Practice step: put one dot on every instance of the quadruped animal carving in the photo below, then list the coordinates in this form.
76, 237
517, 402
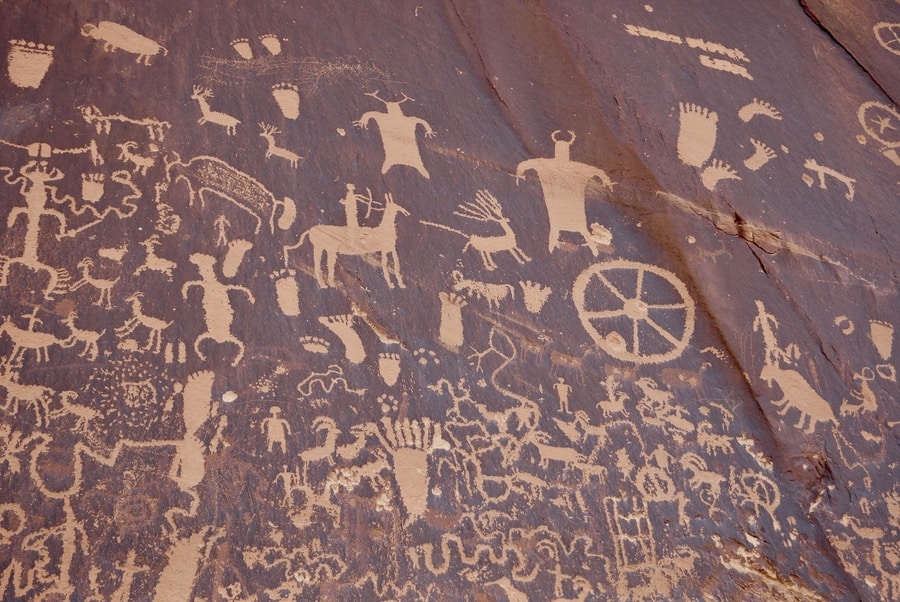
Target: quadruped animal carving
330, 241
207, 176
119, 37
486, 208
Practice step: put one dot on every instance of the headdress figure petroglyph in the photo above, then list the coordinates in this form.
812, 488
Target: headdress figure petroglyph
564, 184
217, 309
398, 134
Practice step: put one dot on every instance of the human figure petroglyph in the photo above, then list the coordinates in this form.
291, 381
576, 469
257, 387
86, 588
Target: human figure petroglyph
156, 129
350, 202
202, 96
103, 285
34, 178
563, 390
138, 318
276, 430
272, 149
486, 208
615, 398
564, 184
119, 37
328, 242
218, 312
398, 134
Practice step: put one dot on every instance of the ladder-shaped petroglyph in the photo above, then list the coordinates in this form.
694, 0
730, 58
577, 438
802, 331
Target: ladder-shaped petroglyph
486, 208
398, 134
28, 63
156, 129
218, 312
208, 177
202, 96
119, 37
821, 171
796, 392
564, 184
328, 242
272, 149
635, 312
154, 326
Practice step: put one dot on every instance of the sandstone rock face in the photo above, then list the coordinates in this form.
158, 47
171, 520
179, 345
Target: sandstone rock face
465, 300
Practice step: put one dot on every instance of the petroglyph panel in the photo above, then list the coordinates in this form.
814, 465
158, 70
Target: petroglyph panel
476, 301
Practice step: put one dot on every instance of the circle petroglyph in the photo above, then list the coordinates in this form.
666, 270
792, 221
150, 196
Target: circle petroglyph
635, 312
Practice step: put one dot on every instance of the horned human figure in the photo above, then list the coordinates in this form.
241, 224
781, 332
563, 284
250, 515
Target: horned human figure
564, 183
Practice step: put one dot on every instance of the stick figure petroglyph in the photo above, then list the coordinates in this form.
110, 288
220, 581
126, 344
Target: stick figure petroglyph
398, 134
217, 309
564, 183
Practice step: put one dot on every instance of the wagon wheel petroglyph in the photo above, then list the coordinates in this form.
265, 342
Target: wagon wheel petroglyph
636, 312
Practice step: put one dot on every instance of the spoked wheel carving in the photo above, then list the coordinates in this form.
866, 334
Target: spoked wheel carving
636, 312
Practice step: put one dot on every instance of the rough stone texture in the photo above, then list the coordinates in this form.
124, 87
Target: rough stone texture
449, 301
